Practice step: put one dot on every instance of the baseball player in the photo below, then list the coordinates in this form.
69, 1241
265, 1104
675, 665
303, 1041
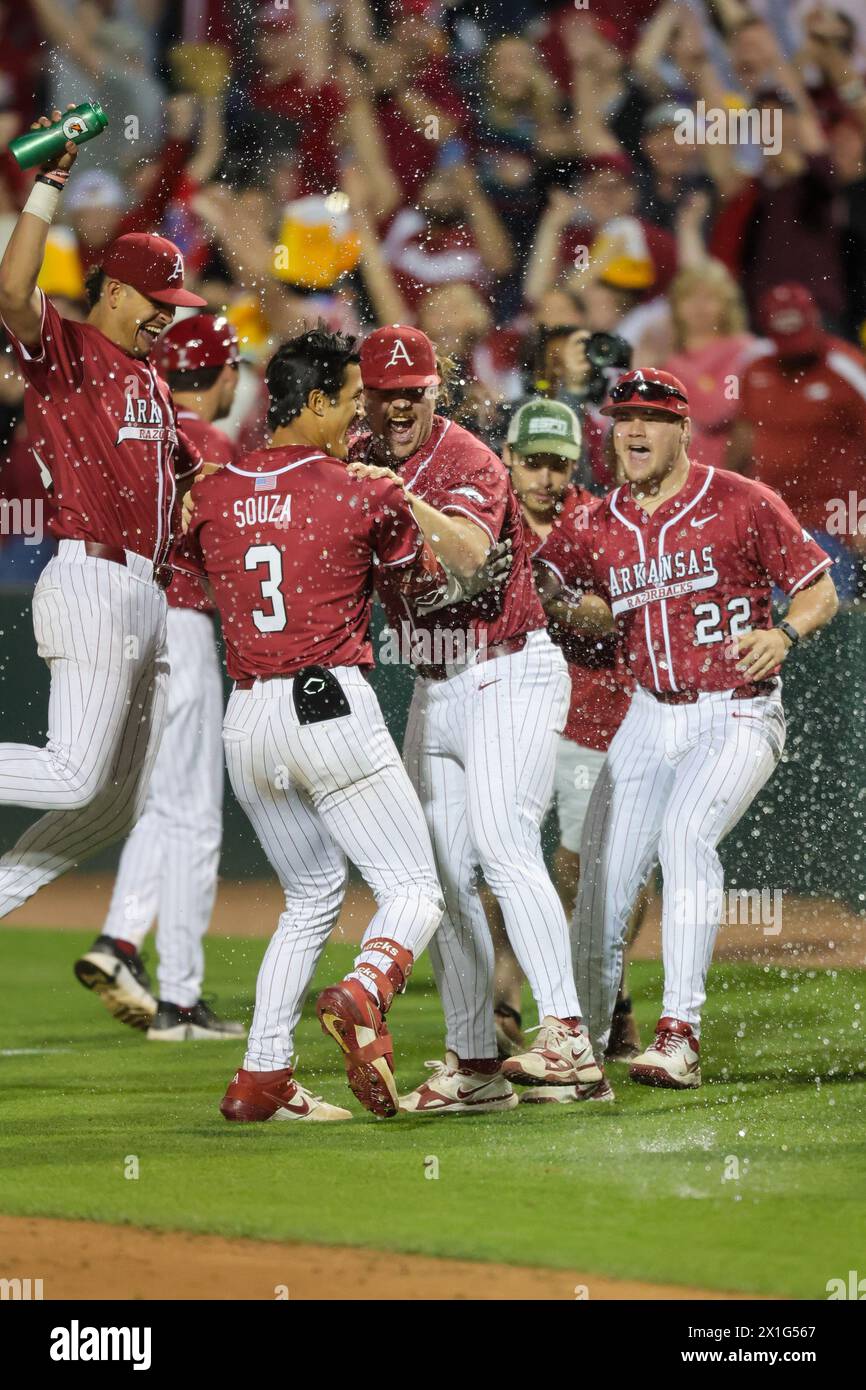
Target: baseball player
168, 869
481, 737
686, 557
291, 546
542, 446
105, 434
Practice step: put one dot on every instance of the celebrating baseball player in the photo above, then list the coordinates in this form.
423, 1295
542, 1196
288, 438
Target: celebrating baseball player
291, 546
542, 446
168, 869
481, 738
105, 434
686, 557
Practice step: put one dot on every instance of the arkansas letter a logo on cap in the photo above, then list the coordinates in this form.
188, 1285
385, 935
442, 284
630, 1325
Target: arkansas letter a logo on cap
399, 354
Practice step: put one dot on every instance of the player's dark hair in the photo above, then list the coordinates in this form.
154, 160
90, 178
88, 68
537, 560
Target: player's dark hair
196, 379
93, 283
313, 361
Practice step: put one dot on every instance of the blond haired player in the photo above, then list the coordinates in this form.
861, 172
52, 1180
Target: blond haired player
686, 557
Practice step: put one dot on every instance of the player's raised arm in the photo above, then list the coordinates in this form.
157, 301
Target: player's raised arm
20, 302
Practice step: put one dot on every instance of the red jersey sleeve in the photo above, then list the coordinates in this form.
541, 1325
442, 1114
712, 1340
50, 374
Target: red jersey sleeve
188, 459
786, 552
568, 552
57, 361
475, 487
397, 538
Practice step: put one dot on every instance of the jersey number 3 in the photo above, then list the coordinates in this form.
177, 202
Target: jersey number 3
269, 555
709, 621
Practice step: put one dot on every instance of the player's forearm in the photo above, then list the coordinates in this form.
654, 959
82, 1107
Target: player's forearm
20, 303
590, 617
460, 545
812, 608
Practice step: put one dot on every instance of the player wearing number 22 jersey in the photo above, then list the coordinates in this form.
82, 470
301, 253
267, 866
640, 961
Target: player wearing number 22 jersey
686, 557
292, 547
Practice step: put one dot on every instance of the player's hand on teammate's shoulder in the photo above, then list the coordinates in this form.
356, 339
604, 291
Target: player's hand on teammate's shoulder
758, 653
374, 470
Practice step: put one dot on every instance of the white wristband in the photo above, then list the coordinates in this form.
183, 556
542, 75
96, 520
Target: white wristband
43, 201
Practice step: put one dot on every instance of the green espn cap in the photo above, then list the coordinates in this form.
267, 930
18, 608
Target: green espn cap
542, 426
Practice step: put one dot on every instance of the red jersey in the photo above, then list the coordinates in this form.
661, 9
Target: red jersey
214, 446
102, 426
291, 544
600, 686
685, 581
455, 473
808, 428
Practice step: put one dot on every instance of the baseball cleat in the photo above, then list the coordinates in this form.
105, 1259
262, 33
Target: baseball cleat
624, 1041
263, 1095
457, 1090
562, 1056
672, 1059
350, 1016
509, 1038
119, 980
594, 1091
176, 1024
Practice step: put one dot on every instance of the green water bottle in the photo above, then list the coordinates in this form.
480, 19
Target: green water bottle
78, 124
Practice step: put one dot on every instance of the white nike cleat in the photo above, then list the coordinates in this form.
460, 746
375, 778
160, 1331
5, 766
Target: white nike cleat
560, 1057
455, 1090
594, 1091
672, 1059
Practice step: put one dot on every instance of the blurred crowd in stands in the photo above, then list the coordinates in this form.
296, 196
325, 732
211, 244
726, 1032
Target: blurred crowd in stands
514, 176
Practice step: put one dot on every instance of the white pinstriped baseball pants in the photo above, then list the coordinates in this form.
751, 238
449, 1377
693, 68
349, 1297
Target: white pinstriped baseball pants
317, 794
481, 749
168, 869
101, 629
676, 781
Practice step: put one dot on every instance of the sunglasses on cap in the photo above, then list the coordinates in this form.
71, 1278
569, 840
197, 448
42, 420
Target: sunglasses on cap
645, 391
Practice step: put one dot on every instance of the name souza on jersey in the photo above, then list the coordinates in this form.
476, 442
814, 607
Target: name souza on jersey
274, 510
682, 572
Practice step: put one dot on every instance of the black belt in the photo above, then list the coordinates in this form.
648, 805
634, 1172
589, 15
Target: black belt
506, 648
689, 697
162, 574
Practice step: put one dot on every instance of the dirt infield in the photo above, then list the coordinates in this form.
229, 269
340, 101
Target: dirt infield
815, 933
85, 1260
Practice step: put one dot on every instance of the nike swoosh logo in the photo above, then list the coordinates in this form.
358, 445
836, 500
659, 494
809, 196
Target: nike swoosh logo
486, 683
704, 520
468, 1095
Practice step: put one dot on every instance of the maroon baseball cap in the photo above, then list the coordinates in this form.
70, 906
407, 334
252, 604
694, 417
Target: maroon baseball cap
202, 340
396, 357
153, 265
647, 388
789, 315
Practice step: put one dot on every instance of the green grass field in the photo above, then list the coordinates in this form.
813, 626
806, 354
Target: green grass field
634, 1190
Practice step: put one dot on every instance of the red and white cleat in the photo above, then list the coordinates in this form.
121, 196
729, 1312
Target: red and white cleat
672, 1059
454, 1089
594, 1091
350, 1016
264, 1095
562, 1056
